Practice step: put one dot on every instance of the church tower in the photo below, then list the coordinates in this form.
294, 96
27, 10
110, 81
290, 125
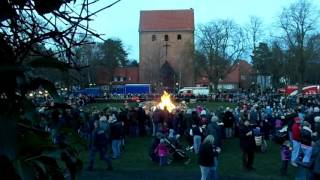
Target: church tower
166, 46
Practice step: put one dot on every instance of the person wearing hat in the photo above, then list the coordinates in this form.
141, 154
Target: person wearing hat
296, 139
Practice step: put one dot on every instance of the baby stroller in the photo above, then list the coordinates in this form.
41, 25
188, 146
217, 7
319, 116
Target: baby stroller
261, 143
176, 153
281, 135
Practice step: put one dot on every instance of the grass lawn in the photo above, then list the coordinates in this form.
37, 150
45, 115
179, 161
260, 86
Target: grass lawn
209, 105
135, 159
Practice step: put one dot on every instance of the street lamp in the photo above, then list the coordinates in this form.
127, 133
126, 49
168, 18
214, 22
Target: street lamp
177, 86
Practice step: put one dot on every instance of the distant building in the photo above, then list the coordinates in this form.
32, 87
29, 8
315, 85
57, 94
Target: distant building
264, 81
166, 39
125, 75
240, 77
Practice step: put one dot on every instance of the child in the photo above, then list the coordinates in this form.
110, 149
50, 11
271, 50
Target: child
162, 152
278, 123
285, 156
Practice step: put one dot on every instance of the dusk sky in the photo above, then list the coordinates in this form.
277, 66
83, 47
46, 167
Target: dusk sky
122, 20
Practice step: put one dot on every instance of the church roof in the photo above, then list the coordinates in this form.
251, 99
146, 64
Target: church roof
167, 20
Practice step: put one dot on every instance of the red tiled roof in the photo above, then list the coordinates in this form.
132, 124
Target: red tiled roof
167, 20
131, 73
233, 77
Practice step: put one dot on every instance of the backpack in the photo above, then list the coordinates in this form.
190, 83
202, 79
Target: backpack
100, 138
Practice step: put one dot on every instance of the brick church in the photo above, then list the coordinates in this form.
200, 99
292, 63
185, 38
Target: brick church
166, 46
166, 39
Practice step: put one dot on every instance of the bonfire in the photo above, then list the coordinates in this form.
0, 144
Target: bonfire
165, 101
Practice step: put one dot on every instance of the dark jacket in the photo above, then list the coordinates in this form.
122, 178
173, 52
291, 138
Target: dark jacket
99, 138
196, 131
306, 136
214, 129
206, 155
317, 129
315, 157
228, 119
253, 117
116, 130
247, 143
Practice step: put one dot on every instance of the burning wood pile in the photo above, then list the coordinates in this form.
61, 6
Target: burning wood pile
165, 102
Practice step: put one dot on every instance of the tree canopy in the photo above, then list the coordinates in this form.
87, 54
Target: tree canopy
219, 44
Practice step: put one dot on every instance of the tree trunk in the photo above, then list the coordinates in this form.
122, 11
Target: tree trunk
215, 84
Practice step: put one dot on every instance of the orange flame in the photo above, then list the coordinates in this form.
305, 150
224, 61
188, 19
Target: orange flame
166, 102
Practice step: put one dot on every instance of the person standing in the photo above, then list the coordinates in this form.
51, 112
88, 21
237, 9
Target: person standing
317, 128
162, 152
214, 130
196, 133
206, 159
315, 157
98, 143
306, 140
247, 144
296, 129
228, 121
285, 157
142, 118
117, 135
155, 121
254, 116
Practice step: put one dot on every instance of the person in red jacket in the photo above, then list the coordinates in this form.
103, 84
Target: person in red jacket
296, 139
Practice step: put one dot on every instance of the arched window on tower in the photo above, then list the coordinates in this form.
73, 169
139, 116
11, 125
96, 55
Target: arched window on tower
179, 37
154, 37
166, 37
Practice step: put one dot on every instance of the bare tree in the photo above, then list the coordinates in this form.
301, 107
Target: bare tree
220, 43
298, 23
254, 31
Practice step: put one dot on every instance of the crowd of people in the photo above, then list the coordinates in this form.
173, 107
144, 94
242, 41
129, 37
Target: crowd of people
293, 124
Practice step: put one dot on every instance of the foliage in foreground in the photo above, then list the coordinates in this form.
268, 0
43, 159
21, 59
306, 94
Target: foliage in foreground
25, 25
